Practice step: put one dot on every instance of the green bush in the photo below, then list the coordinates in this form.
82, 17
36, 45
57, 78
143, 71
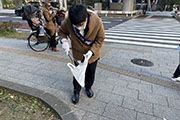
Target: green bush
8, 28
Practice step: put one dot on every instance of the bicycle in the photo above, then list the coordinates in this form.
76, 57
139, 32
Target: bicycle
39, 43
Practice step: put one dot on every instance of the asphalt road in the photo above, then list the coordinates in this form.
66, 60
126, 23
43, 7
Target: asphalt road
108, 22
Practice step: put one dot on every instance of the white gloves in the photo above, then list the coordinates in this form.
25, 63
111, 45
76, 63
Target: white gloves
88, 55
65, 45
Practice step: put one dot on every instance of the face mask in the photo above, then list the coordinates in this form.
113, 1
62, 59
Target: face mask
82, 27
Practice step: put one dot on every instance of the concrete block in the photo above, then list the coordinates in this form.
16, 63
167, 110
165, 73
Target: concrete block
119, 113
125, 92
174, 102
165, 112
109, 98
153, 98
164, 91
142, 116
103, 86
91, 105
137, 105
92, 116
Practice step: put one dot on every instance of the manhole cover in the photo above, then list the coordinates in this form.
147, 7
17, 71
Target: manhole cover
142, 62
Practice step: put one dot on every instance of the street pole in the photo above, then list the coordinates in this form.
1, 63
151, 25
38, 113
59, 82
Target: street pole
128, 5
85, 2
65, 4
60, 3
156, 2
1, 7
149, 5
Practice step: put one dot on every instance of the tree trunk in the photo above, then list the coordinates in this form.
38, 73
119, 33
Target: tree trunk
17, 3
1, 6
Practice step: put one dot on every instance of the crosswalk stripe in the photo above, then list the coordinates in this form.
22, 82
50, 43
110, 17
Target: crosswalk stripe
145, 36
18, 17
143, 39
142, 43
107, 22
10, 17
3, 16
147, 32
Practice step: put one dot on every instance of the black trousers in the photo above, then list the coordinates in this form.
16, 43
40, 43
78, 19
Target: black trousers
53, 42
89, 77
177, 72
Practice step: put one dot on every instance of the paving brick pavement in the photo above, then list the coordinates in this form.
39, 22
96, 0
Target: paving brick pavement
123, 91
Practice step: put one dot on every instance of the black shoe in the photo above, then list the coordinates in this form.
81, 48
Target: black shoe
89, 93
75, 98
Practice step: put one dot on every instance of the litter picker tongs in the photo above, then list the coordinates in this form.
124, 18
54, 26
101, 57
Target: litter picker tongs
74, 60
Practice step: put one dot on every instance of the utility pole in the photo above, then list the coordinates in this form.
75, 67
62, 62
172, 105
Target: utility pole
1, 7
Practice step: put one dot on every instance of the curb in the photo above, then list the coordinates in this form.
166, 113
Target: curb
62, 109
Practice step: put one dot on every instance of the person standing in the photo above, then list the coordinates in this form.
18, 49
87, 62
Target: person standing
50, 27
60, 15
86, 32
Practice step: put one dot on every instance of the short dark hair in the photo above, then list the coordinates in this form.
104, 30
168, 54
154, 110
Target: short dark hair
77, 14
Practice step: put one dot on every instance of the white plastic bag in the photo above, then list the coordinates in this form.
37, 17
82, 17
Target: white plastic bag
79, 71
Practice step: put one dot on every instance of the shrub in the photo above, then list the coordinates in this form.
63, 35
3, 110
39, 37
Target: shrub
7, 28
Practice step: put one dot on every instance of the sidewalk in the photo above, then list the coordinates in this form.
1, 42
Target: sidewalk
123, 91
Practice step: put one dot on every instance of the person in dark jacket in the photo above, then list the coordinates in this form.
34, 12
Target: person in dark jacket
60, 15
87, 35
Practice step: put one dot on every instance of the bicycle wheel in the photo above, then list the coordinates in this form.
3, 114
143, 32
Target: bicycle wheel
37, 43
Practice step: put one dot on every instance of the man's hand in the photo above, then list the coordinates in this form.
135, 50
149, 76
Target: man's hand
65, 46
54, 14
88, 55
